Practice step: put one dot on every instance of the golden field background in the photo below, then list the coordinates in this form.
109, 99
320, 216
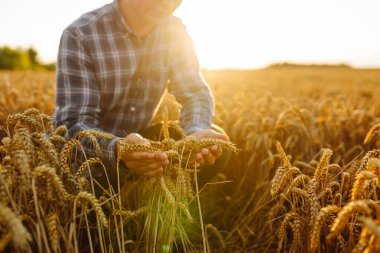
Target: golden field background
266, 200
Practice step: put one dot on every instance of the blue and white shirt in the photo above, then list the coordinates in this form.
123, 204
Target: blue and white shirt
112, 81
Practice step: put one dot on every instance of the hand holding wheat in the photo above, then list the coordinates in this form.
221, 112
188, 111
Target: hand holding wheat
208, 155
143, 162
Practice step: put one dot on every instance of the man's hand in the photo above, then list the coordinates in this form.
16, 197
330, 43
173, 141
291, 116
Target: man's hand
207, 156
143, 163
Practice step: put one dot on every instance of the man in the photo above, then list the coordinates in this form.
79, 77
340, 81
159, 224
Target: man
113, 67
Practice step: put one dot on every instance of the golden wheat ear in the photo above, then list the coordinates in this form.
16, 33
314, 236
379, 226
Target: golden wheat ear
371, 133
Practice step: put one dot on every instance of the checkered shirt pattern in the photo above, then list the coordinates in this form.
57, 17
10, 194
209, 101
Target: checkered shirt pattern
110, 80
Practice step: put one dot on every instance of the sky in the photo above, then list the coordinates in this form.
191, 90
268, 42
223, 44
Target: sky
227, 33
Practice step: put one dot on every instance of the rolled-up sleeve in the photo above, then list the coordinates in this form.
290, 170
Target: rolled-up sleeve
188, 85
78, 94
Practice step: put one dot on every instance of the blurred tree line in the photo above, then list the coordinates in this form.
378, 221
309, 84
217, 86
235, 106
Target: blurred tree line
22, 59
298, 65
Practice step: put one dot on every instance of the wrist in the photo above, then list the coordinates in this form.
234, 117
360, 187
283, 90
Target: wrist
196, 128
118, 147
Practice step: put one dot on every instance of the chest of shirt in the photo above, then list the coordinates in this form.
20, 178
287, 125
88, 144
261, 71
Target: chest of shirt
126, 65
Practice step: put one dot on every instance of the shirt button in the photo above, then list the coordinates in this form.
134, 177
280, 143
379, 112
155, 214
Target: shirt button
132, 109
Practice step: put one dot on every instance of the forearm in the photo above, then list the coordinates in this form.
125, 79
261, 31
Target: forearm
78, 94
188, 85
195, 96
197, 109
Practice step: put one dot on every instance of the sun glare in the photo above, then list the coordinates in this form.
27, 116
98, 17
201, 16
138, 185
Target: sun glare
228, 34
252, 34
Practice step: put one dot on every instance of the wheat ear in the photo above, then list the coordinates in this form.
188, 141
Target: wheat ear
285, 161
371, 133
85, 197
357, 189
52, 227
86, 166
318, 224
53, 179
346, 213
20, 236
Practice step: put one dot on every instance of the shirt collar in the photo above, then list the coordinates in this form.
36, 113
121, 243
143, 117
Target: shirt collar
123, 26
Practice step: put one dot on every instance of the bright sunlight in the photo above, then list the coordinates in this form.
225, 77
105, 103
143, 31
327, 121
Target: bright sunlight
228, 34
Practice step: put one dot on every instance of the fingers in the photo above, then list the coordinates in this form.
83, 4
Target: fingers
140, 167
142, 162
155, 169
145, 163
144, 156
205, 157
209, 133
139, 156
199, 160
160, 156
220, 136
208, 156
216, 151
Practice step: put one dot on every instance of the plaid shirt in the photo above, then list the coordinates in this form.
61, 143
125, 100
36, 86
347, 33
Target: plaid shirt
112, 81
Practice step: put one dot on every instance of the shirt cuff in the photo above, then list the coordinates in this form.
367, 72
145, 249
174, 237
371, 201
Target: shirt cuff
197, 127
111, 149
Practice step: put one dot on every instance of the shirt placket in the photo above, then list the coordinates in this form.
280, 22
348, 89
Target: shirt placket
137, 80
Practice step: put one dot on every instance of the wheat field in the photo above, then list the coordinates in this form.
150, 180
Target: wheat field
305, 176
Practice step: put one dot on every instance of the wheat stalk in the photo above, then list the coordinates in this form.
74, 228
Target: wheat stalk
319, 223
20, 236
